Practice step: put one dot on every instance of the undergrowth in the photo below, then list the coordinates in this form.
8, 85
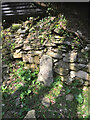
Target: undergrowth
22, 92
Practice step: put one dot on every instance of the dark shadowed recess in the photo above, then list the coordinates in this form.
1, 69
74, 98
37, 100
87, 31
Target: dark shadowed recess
78, 9
77, 14
13, 12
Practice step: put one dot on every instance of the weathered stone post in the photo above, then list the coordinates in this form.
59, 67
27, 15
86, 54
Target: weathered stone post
46, 70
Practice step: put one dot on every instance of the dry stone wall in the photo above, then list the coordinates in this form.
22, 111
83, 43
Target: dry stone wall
70, 59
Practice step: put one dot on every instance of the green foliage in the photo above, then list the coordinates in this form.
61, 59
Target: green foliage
75, 91
72, 47
68, 90
86, 54
24, 74
42, 41
15, 27
74, 84
25, 109
4, 88
79, 98
26, 82
1, 34
21, 63
5, 91
12, 47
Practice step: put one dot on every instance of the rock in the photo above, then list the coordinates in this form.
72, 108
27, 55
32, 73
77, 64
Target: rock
35, 53
81, 81
21, 31
0, 47
9, 114
85, 88
5, 77
27, 22
59, 50
57, 55
55, 61
38, 52
27, 58
17, 101
83, 75
63, 54
30, 114
18, 50
22, 35
64, 50
36, 43
18, 45
73, 66
46, 72
57, 41
82, 58
69, 80
87, 83
71, 57
46, 102
20, 40
87, 48
26, 41
80, 74
5, 69
33, 67
57, 37
27, 66
88, 67
4, 66
76, 66
27, 47
12, 35
68, 43
36, 60
17, 55
61, 71
50, 44
72, 74
57, 30
61, 68
56, 50
69, 97
13, 39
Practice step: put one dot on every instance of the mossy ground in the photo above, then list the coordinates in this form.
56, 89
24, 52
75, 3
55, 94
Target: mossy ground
23, 93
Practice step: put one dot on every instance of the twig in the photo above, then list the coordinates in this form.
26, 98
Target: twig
80, 36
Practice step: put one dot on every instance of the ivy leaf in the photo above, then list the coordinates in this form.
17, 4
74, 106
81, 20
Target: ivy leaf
19, 70
79, 98
28, 92
3, 113
28, 77
42, 41
22, 95
23, 78
67, 90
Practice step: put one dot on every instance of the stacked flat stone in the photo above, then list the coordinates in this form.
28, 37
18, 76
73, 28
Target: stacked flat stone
69, 63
